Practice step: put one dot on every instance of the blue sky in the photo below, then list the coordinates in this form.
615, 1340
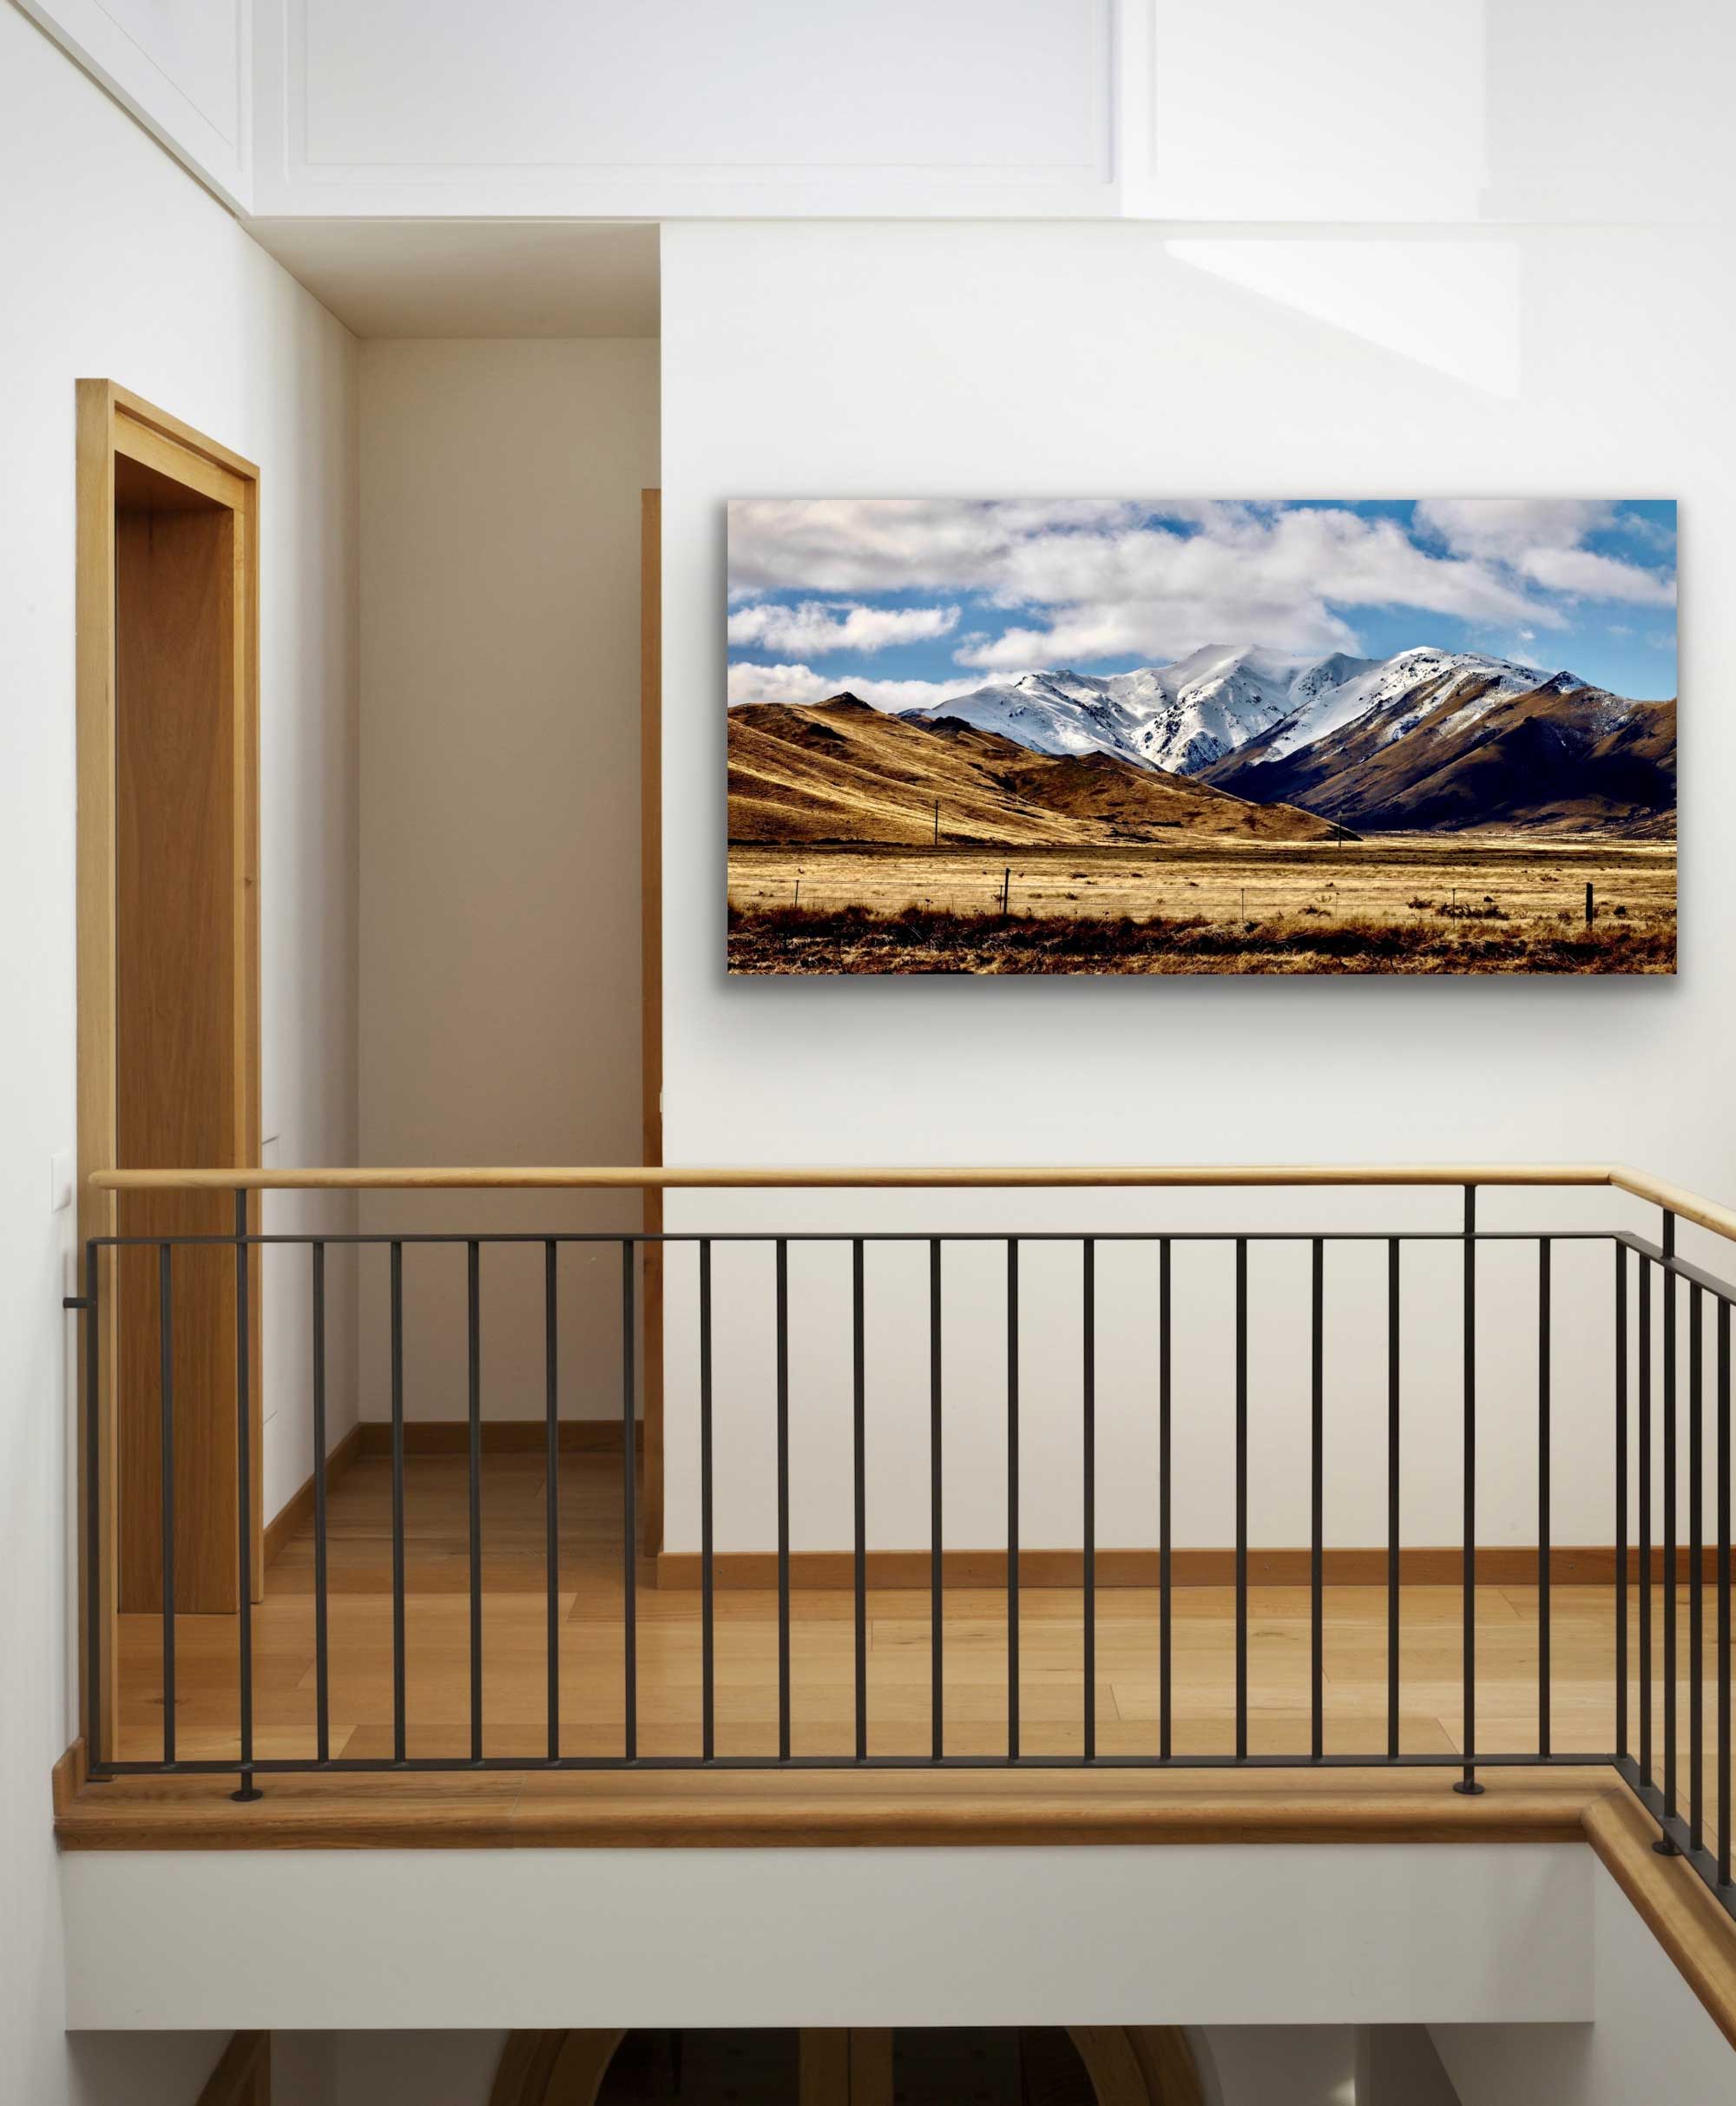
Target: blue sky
906, 601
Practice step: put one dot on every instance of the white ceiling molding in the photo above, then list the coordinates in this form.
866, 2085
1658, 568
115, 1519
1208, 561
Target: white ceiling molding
183, 68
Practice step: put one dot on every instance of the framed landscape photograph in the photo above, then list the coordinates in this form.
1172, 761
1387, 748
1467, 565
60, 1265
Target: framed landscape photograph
1301, 735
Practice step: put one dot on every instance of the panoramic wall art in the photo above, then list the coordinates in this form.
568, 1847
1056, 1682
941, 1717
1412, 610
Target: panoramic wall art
1298, 736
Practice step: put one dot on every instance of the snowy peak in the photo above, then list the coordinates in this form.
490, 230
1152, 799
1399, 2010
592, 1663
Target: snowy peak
1186, 717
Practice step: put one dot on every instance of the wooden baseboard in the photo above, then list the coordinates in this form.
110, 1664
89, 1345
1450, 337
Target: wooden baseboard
297, 1512
500, 1437
1580, 1565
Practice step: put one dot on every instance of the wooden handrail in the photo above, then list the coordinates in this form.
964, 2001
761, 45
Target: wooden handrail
630, 1178
1689, 1206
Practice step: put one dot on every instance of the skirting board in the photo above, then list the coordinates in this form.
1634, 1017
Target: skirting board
1516, 1565
297, 1512
443, 1437
500, 1437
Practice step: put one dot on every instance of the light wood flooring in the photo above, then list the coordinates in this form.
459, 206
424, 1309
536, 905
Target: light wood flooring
1127, 1697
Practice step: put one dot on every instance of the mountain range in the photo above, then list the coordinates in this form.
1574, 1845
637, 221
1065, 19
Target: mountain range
1426, 740
840, 771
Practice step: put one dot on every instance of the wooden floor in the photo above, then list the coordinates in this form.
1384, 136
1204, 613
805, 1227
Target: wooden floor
1127, 1698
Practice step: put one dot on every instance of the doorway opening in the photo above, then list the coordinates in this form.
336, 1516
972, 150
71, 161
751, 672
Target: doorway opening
169, 1043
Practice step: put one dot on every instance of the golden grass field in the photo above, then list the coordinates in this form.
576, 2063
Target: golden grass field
1392, 903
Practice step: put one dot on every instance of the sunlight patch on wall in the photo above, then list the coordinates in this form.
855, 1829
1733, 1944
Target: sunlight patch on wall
1453, 306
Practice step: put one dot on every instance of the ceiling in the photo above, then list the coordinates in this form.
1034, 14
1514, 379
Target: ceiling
474, 277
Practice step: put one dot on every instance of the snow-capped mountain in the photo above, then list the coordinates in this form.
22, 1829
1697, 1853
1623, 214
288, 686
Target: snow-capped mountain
1186, 717
1050, 713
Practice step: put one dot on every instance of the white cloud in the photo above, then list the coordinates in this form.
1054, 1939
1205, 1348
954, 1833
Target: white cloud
1281, 577
1541, 541
800, 685
1588, 576
1083, 581
816, 629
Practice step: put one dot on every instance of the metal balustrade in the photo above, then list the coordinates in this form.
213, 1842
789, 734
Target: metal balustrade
1653, 1290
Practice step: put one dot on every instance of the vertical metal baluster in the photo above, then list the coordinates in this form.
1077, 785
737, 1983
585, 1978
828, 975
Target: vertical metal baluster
1724, 1751
629, 1503
1669, 1515
473, 1334
859, 1413
782, 1408
1317, 1501
551, 1490
1012, 1499
1088, 1480
1696, 1614
937, 1540
322, 1658
1545, 1343
400, 1726
1645, 1516
1621, 1499
1241, 1498
707, 1543
166, 1463
1393, 1391
1164, 1663
1467, 1782
244, 1495
93, 1500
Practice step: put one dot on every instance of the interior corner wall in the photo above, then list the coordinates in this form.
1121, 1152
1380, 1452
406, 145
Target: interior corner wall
501, 933
1049, 360
117, 264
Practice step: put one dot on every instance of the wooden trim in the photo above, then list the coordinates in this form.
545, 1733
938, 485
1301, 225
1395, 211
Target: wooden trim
500, 1437
1166, 2057
141, 412
297, 1512
870, 2065
526, 2062
857, 1177
1108, 2054
651, 993
111, 423
823, 2069
242, 2076
95, 893
564, 2068
179, 462
1673, 1902
648, 1809
1512, 1565
68, 1778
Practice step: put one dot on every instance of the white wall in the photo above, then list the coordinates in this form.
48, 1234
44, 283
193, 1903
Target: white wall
119, 264
1108, 359
1249, 109
1189, 1934
1650, 2037
501, 934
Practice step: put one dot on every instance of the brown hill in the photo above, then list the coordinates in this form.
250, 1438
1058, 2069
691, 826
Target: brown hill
840, 771
1561, 758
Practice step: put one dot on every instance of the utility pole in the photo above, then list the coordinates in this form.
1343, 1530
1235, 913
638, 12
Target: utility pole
1590, 908
1006, 892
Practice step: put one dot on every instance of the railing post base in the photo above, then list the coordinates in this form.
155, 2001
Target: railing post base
1468, 1787
1664, 1848
249, 1791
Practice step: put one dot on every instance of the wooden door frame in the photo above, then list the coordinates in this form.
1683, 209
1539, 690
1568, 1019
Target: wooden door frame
651, 990
114, 422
